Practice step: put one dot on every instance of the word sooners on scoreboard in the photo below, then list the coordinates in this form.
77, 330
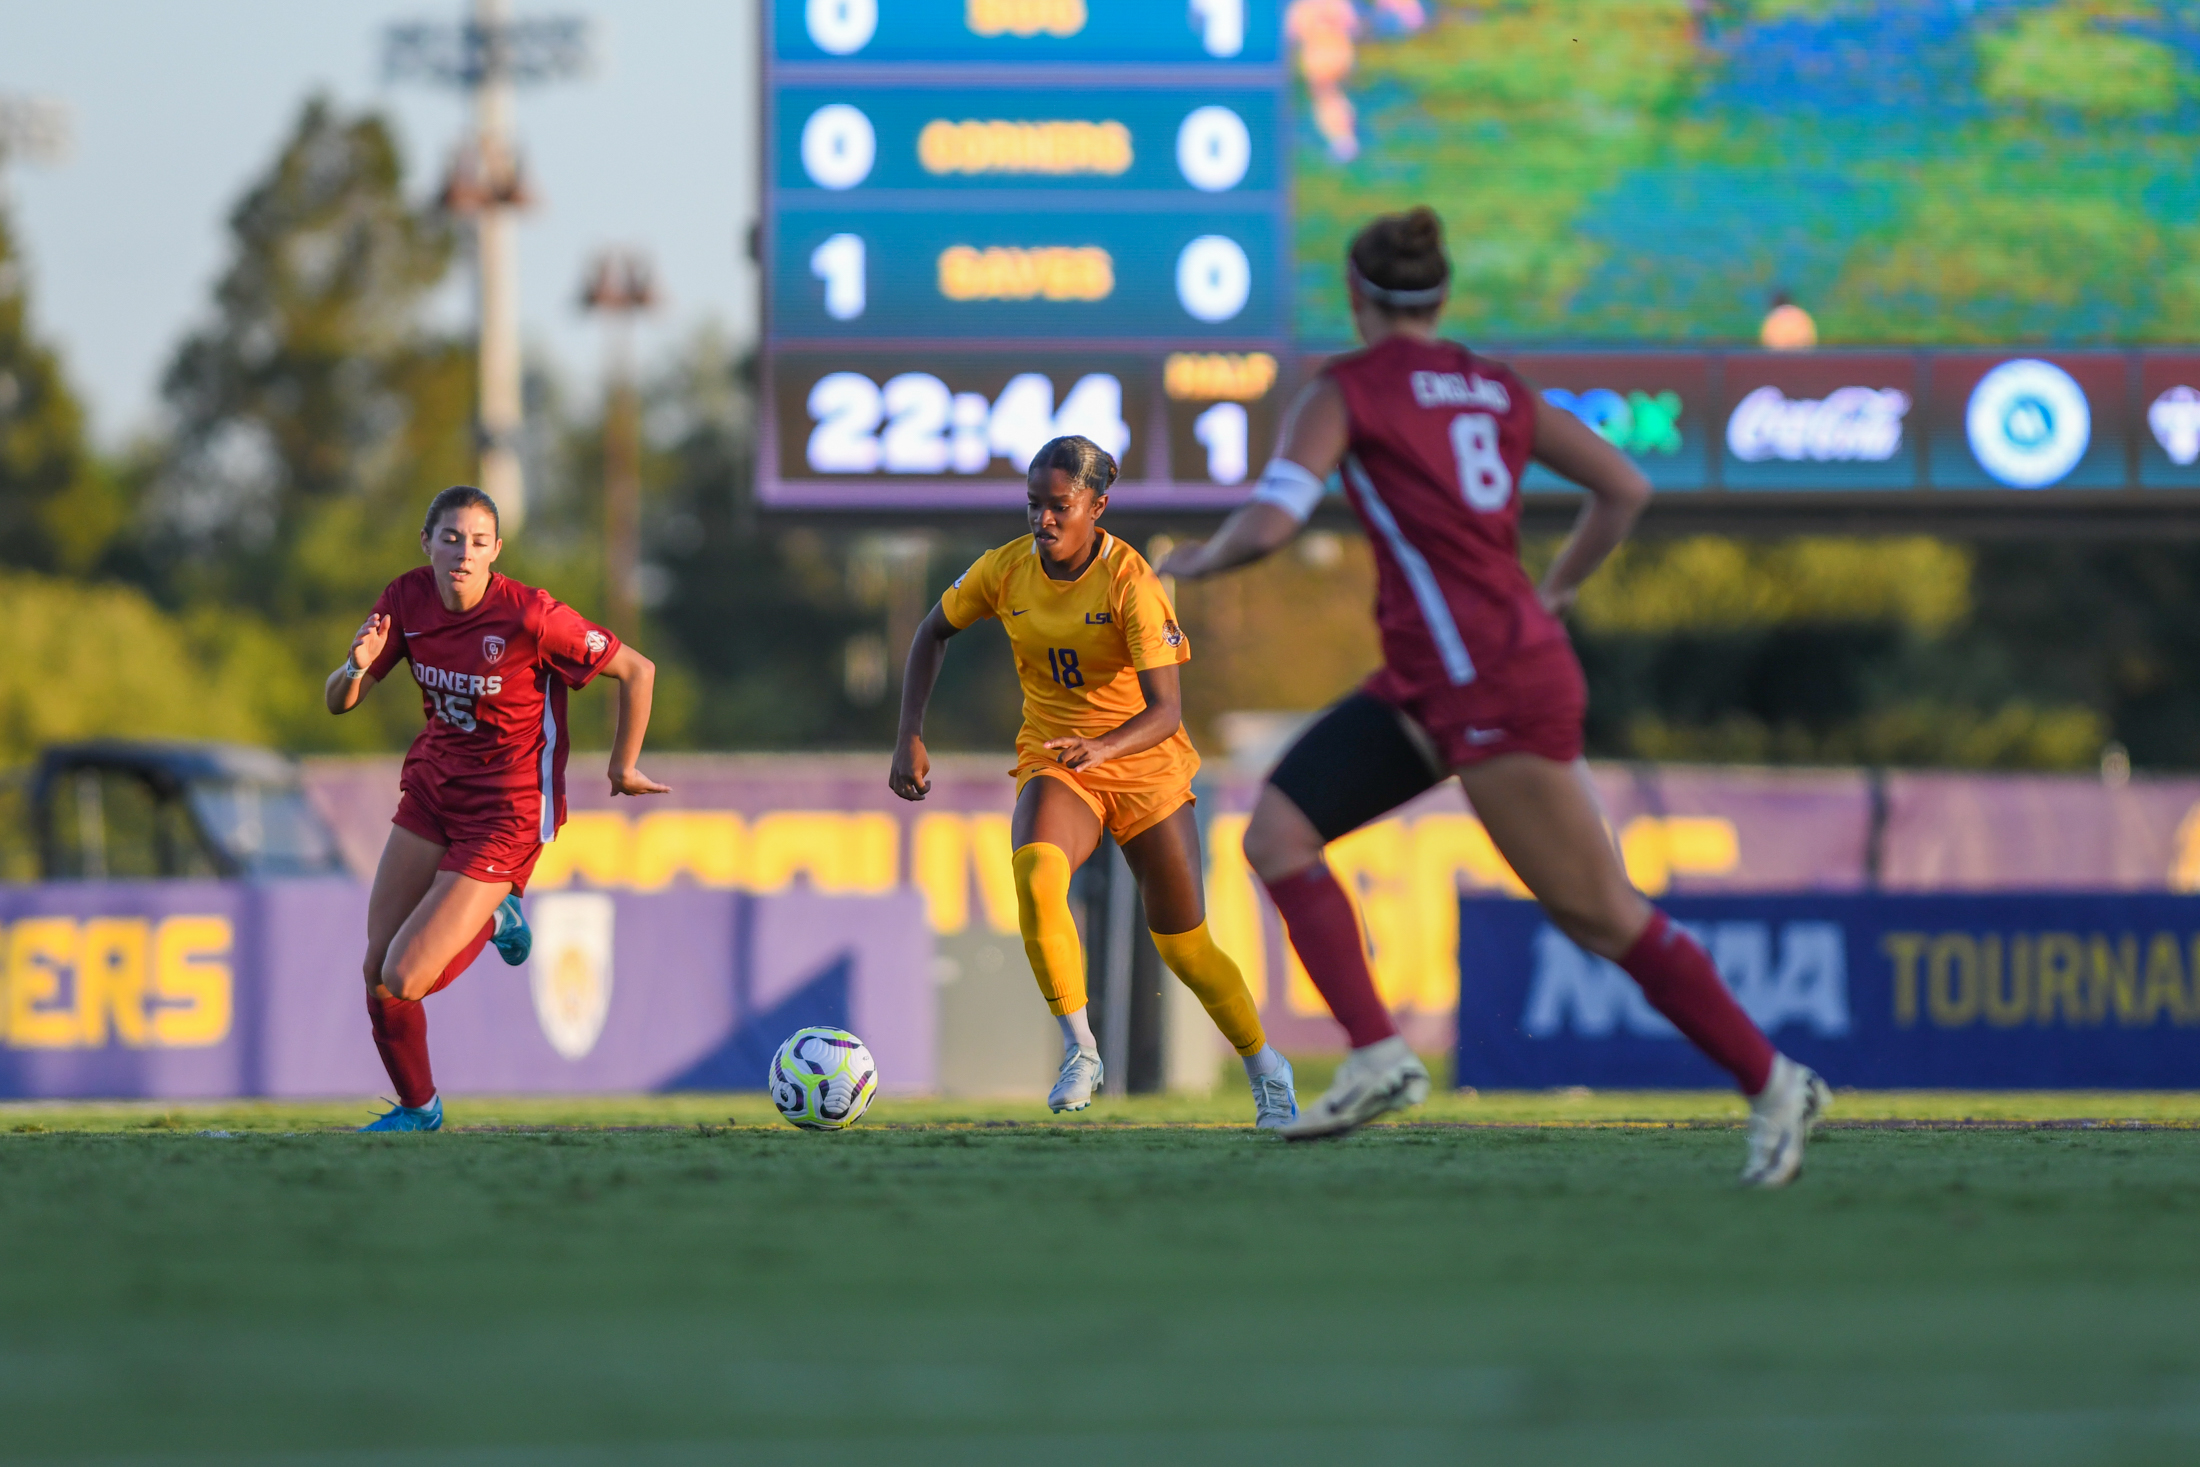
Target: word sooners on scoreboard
990, 222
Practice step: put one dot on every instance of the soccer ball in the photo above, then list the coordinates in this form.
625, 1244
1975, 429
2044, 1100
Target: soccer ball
823, 1079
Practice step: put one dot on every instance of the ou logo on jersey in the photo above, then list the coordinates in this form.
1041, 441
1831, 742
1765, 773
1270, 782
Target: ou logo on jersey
1484, 481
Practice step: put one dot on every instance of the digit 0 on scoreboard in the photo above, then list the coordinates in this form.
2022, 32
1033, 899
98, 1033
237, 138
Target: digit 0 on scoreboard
944, 429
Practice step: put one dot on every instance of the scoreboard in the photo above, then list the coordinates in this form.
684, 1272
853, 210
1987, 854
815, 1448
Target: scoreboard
990, 222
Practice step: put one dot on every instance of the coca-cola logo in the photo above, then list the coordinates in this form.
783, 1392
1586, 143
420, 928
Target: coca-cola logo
2175, 419
1849, 424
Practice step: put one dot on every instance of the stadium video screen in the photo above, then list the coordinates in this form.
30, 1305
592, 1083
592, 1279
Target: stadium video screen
988, 222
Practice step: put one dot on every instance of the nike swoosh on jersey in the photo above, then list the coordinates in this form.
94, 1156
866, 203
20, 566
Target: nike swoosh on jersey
412, 634
1019, 613
1484, 735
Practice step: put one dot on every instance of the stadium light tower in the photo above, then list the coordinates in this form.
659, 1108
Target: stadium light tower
619, 284
32, 130
489, 56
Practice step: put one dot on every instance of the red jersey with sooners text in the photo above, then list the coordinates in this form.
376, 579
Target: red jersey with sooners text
493, 682
1438, 441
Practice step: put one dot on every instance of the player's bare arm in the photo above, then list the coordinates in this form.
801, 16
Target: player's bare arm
351, 681
1617, 493
1162, 717
1314, 438
637, 677
911, 774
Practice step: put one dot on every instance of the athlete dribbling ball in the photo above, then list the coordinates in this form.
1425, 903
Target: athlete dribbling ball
483, 786
1103, 745
1478, 681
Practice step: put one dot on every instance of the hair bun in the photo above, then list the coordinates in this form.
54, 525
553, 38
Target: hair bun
1402, 251
1420, 231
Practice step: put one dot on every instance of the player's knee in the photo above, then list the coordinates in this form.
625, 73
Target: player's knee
1275, 850
1604, 924
1042, 881
407, 979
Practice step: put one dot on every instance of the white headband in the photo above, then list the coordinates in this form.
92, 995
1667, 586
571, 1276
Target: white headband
1405, 300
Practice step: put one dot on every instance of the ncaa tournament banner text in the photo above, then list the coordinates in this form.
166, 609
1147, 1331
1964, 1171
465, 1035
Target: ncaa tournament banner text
2019, 991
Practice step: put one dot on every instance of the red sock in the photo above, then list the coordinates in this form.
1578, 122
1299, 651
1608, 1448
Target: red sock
1326, 932
401, 1034
1677, 977
401, 1028
466, 956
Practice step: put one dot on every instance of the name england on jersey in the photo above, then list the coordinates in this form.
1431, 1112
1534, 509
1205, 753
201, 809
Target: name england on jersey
1459, 389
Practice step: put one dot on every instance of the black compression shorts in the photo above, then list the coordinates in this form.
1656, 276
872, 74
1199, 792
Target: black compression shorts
1359, 760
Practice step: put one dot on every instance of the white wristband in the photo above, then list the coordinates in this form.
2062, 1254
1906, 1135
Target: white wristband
353, 671
1290, 487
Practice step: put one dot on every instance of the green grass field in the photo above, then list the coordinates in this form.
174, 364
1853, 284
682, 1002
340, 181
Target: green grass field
1518, 1278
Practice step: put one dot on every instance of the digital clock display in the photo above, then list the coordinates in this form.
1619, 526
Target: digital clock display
990, 222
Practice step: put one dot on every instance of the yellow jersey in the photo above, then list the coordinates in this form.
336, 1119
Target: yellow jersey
1079, 647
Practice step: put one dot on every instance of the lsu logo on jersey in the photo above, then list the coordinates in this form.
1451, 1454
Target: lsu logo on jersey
1459, 389
1098, 618
1172, 634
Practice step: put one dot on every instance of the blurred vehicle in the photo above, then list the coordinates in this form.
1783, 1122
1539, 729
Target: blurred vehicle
121, 809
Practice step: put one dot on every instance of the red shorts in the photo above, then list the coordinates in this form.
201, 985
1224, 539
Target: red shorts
1531, 703
480, 837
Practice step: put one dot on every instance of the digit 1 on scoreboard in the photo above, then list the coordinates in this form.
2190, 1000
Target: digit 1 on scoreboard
839, 263
1223, 431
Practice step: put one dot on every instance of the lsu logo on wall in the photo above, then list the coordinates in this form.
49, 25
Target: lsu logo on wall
146, 983
569, 969
1797, 974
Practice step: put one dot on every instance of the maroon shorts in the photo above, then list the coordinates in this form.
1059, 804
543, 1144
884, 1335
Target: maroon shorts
1532, 703
479, 836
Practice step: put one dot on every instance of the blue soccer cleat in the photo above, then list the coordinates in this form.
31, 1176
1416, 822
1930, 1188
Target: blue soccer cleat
514, 939
427, 1117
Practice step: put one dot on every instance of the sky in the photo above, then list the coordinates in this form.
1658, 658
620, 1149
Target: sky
176, 107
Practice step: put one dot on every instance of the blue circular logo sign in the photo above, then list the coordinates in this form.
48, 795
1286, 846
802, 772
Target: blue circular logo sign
2029, 423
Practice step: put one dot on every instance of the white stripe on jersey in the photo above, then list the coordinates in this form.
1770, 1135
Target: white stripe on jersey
549, 762
1450, 646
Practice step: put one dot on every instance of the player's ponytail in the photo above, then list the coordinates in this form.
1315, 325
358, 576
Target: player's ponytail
1088, 465
456, 498
1398, 263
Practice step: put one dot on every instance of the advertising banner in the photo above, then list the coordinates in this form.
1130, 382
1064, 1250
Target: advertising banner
1651, 406
185, 988
2011, 420
2169, 400
2030, 991
1836, 420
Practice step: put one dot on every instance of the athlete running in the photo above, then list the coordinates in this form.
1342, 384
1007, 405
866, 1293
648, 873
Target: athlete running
1097, 650
484, 785
1478, 681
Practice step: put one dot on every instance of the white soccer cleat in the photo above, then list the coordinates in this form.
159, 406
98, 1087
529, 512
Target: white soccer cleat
1383, 1077
1275, 1101
1780, 1118
1081, 1075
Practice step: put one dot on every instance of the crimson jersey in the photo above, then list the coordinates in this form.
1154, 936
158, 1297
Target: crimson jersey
1438, 441
493, 682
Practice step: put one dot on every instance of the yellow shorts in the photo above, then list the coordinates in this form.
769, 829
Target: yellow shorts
1127, 813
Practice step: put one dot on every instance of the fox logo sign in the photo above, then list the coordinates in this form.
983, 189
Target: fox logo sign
1809, 984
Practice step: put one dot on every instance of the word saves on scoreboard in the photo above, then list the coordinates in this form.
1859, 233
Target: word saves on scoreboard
989, 222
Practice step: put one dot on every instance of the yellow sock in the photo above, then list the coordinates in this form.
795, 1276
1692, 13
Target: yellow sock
1208, 972
1050, 933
